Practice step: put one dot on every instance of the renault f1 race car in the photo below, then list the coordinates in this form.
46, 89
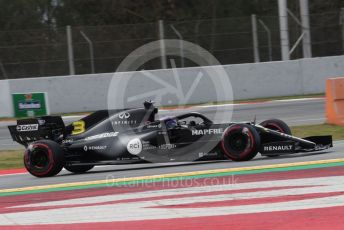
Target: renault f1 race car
134, 135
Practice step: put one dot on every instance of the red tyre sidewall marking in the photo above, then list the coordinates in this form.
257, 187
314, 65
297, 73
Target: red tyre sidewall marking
276, 126
50, 156
233, 128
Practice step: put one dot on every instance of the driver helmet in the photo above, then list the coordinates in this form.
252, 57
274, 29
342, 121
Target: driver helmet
170, 123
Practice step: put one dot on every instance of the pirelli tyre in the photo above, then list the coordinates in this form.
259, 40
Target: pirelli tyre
44, 158
277, 125
78, 168
240, 142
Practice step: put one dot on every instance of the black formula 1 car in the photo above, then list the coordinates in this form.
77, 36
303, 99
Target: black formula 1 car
134, 135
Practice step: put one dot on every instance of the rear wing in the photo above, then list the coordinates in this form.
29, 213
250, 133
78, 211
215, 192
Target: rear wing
33, 129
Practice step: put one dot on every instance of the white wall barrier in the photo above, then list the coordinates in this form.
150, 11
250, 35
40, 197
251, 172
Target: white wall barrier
254, 80
6, 109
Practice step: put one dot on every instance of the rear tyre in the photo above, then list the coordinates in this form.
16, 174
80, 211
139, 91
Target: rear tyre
44, 158
78, 168
277, 125
240, 142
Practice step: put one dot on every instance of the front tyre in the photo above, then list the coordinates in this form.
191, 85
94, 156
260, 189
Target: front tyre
44, 158
276, 125
78, 168
240, 142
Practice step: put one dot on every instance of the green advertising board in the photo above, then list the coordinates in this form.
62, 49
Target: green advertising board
30, 104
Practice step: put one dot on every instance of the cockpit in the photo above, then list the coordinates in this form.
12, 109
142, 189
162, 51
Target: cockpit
186, 120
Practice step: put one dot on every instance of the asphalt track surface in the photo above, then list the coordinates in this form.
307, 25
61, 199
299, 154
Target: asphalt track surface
126, 171
293, 112
324, 192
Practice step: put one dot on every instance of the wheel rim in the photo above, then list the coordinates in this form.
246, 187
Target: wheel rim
238, 141
39, 158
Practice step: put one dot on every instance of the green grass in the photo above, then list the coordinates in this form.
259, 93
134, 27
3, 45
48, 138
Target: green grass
11, 159
325, 129
14, 158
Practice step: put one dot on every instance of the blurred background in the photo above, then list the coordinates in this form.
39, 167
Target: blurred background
34, 34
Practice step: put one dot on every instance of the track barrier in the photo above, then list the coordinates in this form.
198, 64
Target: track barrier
335, 101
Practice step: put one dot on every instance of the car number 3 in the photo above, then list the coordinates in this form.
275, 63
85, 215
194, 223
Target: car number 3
79, 127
